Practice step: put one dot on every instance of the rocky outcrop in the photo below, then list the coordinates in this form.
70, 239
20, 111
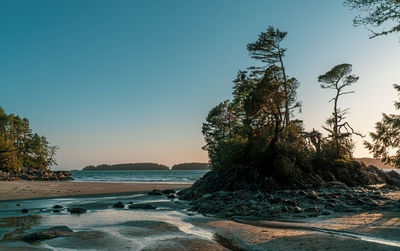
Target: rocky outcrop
228, 180
335, 197
47, 234
35, 174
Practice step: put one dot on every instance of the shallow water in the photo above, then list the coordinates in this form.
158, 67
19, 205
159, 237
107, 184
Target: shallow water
164, 176
106, 228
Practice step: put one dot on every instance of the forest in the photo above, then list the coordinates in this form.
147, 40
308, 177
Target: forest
20, 147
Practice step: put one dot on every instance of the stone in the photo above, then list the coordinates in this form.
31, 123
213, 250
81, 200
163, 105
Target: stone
171, 196
19, 205
24, 210
119, 204
142, 206
57, 206
77, 210
56, 211
297, 209
155, 192
313, 195
168, 191
49, 233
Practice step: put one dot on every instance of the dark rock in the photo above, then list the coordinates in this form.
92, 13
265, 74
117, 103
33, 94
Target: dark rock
118, 205
49, 233
313, 195
18, 205
171, 196
56, 211
155, 192
77, 210
24, 210
57, 206
142, 206
168, 191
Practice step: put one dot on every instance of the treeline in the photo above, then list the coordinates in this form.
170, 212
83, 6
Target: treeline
129, 166
20, 147
148, 166
191, 166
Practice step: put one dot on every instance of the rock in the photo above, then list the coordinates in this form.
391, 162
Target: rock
57, 206
171, 196
49, 233
142, 206
155, 192
313, 195
168, 191
119, 204
77, 210
24, 210
19, 205
56, 211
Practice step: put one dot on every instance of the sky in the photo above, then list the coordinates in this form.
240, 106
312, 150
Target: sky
132, 81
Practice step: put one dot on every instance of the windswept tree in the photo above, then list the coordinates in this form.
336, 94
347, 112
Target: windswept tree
269, 51
386, 138
338, 78
378, 13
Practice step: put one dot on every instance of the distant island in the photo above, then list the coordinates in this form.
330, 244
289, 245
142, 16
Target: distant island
191, 166
148, 166
129, 166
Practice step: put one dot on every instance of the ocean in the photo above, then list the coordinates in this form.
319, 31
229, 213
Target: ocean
164, 176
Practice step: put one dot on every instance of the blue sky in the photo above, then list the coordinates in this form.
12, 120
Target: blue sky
132, 81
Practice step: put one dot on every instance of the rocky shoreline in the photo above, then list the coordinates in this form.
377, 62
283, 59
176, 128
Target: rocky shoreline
35, 174
309, 201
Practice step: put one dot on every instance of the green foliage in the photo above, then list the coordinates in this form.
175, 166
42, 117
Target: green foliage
256, 135
19, 147
340, 131
378, 13
386, 138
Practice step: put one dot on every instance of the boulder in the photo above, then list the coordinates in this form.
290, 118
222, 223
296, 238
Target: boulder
57, 206
77, 210
118, 205
49, 233
24, 210
155, 192
168, 191
142, 206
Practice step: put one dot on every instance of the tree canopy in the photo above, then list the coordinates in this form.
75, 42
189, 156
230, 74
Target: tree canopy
386, 138
20, 147
377, 13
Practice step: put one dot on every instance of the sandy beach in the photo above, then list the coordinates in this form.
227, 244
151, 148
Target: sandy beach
16, 190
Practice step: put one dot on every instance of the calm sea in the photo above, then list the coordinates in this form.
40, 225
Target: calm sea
167, 176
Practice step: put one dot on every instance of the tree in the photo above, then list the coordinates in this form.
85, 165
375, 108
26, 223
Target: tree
268, 50
379, 13
386, 138
19, 147
338, 78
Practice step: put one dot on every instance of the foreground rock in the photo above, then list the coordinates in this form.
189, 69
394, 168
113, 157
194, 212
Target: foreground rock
336, 197
218, 194
77, 210
47, 234
142, 206
35, 174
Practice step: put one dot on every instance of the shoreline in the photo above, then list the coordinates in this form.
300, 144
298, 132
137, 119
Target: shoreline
22, 190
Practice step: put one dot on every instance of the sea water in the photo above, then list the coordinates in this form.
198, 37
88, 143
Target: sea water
165, 176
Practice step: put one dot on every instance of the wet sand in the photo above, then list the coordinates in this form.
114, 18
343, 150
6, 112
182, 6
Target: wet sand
16, 190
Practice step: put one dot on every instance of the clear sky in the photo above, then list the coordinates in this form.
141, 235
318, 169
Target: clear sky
132, 81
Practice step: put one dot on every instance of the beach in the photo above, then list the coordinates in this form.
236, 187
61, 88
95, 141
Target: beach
171, 225
16, 190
